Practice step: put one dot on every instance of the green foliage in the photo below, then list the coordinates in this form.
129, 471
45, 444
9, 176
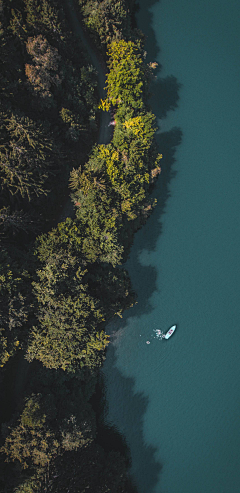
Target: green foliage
97, 216
36, 16
78, 113
74, 436
43, 16
127, 166
112, 286
55, 311
126, 79
42, 72
14, 307
31, 442
117, 179
75, 296
30, 485
134, 139
67, 335
107, 18
38, 437
26, 157
15, 221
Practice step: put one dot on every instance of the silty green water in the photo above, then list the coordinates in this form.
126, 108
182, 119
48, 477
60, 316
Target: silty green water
177, 402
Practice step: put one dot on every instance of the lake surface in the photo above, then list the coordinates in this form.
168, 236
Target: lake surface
177, 402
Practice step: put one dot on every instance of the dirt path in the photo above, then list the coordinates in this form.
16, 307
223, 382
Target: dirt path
105, 131
16, 377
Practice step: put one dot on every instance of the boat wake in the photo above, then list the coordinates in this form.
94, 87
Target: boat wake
159, 334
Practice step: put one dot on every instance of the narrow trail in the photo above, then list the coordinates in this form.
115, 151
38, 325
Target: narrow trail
105, 132
18, 374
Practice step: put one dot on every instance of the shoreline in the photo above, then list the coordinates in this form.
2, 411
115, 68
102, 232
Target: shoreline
131, 212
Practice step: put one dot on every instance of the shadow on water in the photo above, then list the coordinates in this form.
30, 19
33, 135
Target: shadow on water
131, 406
146, 469
150, 41
148, 236
167, 91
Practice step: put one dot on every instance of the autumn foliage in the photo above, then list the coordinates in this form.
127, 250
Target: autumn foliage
43, 72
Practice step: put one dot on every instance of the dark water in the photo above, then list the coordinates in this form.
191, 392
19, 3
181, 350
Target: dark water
177, 402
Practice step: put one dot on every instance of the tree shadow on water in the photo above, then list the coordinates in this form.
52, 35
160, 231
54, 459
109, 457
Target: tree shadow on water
144, 22
164, 92
146, 238
129, 408
164, 98
164, 95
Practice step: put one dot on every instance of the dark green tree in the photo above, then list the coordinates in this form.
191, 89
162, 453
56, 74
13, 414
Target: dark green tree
13, 222
26, 157
68, 334
32, 442
15, 307
44, 16
107, 18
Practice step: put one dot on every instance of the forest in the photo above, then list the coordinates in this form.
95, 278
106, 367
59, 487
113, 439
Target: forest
63, 280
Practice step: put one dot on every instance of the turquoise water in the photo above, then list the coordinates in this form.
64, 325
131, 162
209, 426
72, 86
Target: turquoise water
177, 402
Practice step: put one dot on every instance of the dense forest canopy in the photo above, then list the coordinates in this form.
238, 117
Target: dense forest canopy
62, 281
107, 19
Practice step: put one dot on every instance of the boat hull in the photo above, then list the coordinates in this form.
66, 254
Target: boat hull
170, 332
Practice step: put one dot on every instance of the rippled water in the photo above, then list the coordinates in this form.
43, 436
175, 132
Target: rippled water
177, 401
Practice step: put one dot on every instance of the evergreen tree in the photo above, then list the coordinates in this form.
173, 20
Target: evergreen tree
15, 307
32, 442
68, 334
26, 157
43, 16
107, 18
16, 221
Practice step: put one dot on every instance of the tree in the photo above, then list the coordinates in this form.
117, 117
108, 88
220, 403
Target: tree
80, 104
31, 442
112, 286
107, 18
43, 16
30, 134
68, 334
17, 25
92, 470
15, 307
139, 160
19, 174
27, 157
73, 435
42, 74
98, 214
73, 123
126, 78
15, 221
38, 436
117, 178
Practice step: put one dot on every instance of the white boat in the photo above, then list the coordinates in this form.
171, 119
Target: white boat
170, 332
